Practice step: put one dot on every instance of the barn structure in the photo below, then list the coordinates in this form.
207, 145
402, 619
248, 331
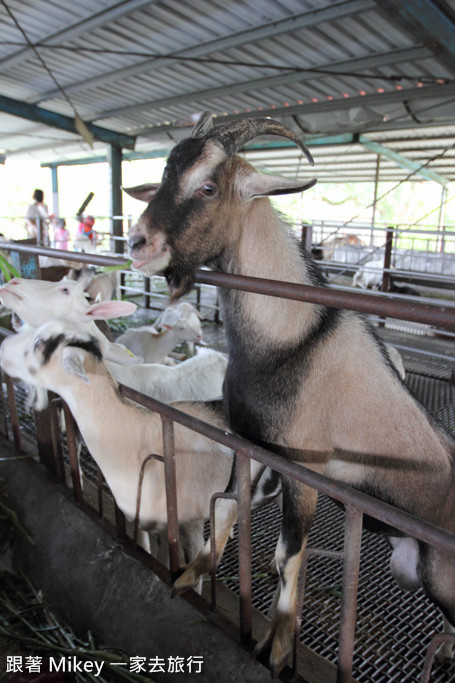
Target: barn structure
369, 85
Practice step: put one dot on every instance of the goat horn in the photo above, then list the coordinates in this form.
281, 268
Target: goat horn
203, 125
234, 134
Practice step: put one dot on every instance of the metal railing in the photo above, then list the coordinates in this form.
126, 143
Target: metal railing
356, 503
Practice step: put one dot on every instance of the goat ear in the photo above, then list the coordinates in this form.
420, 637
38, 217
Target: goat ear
262, 185
144, 193
171, 316
73, 363
105, 310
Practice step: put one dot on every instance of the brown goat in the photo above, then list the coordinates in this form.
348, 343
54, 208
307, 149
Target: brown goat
298, 373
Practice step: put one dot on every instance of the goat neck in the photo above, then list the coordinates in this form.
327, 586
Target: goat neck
280, 321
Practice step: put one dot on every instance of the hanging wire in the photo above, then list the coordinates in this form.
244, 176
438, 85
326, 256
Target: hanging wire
396, 78
39, 57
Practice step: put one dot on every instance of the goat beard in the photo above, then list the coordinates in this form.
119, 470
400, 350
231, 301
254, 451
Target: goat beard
180, 281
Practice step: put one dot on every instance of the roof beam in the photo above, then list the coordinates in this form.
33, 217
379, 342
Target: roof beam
427, 24
80, 28
33, 113
372, 62
405, 95
403, 161
333, 11
343, 139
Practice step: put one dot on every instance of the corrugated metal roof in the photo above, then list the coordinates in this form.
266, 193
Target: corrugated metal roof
324, 68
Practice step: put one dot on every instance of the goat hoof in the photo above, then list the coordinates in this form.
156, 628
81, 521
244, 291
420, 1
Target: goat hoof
278, 640
182, 585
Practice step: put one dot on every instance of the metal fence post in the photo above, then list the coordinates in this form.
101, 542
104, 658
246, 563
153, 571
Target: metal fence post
350, 585
244, 528
171, 493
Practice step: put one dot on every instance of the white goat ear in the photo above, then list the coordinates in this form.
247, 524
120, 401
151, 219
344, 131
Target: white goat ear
73, 363
169, 317
262, 185
105, 310
144, 193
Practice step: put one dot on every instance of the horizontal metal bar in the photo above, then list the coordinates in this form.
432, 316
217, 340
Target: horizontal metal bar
410, 525
439, 316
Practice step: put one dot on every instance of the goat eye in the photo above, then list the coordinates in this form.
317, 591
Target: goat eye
65, 290
208, 190
38, 344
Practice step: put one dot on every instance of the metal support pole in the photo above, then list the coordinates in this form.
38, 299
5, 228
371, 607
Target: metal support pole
307, 236
147, 285
55, 202
375, 198
441, 219
114, 156
385, 286
350, 585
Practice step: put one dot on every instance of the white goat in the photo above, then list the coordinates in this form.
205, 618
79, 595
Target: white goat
198, 378
99, 286
179, 325
119, 434
369, 275
309, 381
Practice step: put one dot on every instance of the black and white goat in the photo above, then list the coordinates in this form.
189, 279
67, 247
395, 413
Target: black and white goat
301, 377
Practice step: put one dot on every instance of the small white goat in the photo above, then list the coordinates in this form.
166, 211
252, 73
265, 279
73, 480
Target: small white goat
99, 286
179, 324
119, 434
198, 378
369, 275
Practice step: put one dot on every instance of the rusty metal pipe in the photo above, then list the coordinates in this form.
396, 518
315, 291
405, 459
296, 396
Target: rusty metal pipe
171, 494
347, 495
439, 316
350, 586
244, 531
436, 641
139, 491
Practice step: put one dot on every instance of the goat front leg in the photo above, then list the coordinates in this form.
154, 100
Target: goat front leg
225, 518
226, 513
299, 505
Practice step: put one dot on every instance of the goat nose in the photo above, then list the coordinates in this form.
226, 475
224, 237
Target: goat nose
136, 242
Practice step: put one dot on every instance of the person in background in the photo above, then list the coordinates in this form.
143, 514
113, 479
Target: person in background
61, 234
37, 216
85, 228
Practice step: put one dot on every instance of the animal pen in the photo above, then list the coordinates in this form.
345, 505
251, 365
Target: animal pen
352, 613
